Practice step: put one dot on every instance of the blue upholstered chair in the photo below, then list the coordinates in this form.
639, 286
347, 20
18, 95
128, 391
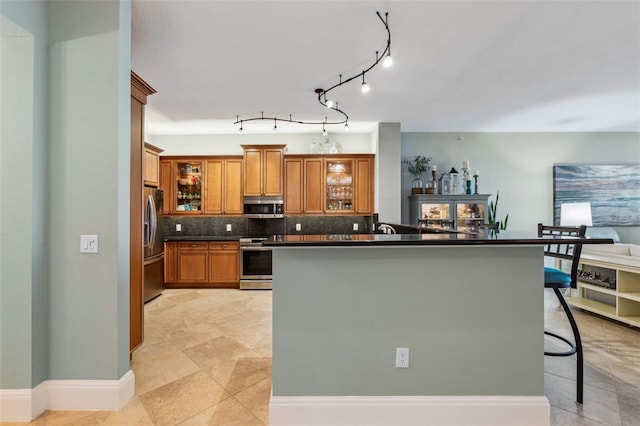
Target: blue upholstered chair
557, 280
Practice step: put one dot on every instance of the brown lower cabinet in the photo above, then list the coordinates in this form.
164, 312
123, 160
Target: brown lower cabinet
203, 264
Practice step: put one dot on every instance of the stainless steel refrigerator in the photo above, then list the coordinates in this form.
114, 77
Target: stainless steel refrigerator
153, 243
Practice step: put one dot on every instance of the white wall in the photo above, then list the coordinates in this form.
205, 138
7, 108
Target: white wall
352, 143
520, 166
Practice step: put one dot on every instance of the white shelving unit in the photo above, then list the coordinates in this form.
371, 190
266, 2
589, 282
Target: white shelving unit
621, 303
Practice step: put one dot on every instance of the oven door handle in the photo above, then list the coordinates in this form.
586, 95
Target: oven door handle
255, 248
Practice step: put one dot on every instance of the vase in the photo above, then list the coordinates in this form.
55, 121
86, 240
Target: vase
416, 186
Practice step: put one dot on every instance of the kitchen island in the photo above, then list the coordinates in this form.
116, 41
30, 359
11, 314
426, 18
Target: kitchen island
468, 306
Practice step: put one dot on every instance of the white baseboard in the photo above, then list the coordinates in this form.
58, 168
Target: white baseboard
24, 405
410, 411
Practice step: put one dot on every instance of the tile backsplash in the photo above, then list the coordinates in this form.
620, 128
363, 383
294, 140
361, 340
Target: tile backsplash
245, 227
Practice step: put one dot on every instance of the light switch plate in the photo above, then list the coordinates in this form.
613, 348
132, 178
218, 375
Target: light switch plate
178, 227
298, 227
88, 244
355, 226
228, 227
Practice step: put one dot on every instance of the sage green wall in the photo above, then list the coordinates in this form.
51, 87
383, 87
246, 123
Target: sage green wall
89, 136
520, 166
335, 332
24, 312
65, 315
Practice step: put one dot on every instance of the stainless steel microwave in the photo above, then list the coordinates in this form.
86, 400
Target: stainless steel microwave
263, 207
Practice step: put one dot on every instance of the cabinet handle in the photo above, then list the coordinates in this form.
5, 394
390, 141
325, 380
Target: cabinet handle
224, 245
193, 246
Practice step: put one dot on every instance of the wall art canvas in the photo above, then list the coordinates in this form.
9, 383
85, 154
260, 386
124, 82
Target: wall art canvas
613, 191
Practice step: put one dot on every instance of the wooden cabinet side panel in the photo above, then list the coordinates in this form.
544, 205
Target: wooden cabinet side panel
273, 162
313, 186
233, 187
167, 184
213, 190
252, 172
364, 186
193, 266
170, 262
293, 186
136, 257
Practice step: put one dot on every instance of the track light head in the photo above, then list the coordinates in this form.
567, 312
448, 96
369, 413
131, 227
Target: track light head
387, 61
365, 87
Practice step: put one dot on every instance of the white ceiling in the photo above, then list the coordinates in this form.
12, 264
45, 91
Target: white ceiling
486, 66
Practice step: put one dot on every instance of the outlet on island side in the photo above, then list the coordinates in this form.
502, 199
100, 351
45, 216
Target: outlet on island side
402, 357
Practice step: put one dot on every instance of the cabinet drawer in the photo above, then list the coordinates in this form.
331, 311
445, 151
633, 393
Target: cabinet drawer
193, 245
224, 245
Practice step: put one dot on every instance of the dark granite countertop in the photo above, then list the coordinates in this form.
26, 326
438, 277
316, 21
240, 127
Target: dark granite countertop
202, 238
434, 239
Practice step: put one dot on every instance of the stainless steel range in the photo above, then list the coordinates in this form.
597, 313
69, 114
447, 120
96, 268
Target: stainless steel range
255, 264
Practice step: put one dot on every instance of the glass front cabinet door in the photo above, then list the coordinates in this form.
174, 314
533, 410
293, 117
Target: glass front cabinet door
189, 187
339, 186
460, 212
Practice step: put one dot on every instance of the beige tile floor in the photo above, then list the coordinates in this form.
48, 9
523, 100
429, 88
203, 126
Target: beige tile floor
206, 360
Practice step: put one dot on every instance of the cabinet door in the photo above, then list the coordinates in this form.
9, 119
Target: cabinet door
167, 185
252, 172
293, 185
339, 178
364, 186
193, 262
233, 187
224, 263
170, 262
150, 165
214, 187
313, 187
188, 186
272, 165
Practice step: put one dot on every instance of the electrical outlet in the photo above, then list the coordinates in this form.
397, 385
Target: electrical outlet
228, 227
178, 227
402, 357
355, 226
298, 227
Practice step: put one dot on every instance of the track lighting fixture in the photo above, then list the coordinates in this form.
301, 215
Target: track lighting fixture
365, 87
385, 57
387, 61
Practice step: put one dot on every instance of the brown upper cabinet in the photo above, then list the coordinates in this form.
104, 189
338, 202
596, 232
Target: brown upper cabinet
263, 170
336, 185
151, 165
223, 187
202, 185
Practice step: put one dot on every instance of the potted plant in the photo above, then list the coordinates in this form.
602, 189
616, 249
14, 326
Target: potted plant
493, 210
416, 167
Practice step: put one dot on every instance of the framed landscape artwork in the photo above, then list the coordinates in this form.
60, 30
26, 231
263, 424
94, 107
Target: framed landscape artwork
613, 191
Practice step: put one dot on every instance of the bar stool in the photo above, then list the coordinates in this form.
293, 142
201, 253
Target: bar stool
557, 279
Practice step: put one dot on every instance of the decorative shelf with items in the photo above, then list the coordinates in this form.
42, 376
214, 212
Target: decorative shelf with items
189, 187
608, 289
457, 211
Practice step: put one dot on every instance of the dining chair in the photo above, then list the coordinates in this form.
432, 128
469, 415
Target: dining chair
565, 245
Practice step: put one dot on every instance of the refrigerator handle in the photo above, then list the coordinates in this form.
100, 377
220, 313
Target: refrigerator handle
153, 222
